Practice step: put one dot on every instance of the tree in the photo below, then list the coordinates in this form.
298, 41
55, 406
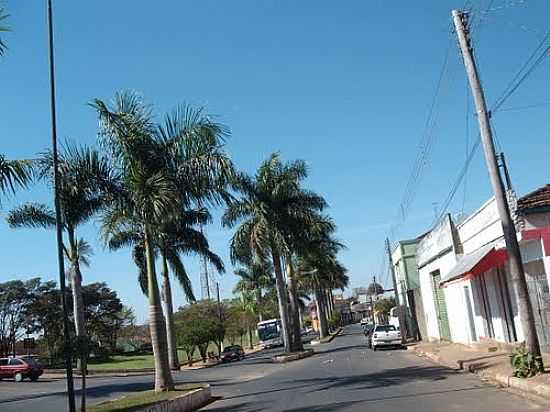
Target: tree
164, 170
13, 173
267, 213
319, 271
171, 239
15, 298
3, 16
255, 277
83, 172
104, 315
199, 324
384, 305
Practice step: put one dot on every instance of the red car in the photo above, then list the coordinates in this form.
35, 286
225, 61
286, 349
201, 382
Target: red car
20, 368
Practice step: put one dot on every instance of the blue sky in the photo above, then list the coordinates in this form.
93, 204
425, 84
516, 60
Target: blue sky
346, 86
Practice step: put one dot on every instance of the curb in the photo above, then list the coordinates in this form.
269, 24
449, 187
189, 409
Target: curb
292, 356
188, 402
523, 386
327, 339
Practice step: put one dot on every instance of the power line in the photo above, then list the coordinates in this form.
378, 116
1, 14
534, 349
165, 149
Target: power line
530, 106
523, 73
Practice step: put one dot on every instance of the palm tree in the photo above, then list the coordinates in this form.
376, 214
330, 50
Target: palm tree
164, 170
270, 205
172, 240
82, 173
254, 277
14, 174
3, 16
319, 270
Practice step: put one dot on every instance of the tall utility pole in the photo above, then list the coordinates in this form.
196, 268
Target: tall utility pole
219, 306
516, 266
371, 301
58, 221
396, 294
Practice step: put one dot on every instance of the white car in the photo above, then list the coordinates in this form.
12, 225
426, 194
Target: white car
385, 335
364, 321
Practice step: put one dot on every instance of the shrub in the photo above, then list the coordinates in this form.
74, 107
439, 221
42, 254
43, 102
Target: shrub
524, 363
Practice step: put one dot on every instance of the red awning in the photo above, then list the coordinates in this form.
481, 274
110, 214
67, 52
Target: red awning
476, 263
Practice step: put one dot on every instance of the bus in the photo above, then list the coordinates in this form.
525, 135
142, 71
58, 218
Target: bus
270, 333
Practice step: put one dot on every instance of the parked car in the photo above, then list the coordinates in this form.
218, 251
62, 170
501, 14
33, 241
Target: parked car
385, 335
364, 321
20, 368
230, 353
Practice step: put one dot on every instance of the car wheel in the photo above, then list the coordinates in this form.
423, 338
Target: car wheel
18, 377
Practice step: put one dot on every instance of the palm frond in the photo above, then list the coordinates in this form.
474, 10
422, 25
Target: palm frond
84, 252
138, 255
14, 173
3, 16
32, 215
181, 275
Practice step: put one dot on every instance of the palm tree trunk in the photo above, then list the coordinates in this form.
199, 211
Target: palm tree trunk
78, 314
250, 343
259, 302
296, 342
321, 315
282, 297
163, 377
169, 314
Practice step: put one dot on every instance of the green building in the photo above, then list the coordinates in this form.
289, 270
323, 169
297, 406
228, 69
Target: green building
408, 286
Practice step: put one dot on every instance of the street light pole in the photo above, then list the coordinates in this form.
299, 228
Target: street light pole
58, 221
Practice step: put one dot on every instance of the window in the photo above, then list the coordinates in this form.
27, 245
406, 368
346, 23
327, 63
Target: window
3, 362
16, 362
385, 328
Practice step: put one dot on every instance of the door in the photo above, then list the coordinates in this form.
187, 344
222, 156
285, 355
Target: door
540, 300
440, 307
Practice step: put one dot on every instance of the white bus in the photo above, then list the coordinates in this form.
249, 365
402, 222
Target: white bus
270, 333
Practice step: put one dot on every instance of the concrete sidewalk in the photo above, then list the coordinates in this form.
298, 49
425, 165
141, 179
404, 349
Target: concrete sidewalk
490, 361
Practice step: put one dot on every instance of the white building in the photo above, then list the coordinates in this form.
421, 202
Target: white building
467, 292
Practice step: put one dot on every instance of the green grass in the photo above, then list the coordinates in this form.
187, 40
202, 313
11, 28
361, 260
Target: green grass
146, 361
140, 399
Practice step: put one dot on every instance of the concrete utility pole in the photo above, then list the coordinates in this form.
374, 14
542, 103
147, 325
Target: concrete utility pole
371, 300
512, 245
58, 220
396, 294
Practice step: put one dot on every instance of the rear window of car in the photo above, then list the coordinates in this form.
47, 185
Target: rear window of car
16, 362
3, 362
230, 349
385, 328
31, 362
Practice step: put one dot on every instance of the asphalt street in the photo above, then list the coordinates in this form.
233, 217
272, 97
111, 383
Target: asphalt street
342, 376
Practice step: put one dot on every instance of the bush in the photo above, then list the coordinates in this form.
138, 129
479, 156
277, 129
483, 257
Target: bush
525, 364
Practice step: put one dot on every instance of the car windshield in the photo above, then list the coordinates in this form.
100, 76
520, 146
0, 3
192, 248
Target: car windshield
230, 349
385, 328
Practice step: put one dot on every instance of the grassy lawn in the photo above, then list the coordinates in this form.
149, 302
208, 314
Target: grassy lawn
140, 399
146, 361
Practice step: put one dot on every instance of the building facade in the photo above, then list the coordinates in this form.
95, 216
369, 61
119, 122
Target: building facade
408, 287
467, 290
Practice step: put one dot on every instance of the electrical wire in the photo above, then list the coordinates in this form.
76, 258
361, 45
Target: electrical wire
524, 72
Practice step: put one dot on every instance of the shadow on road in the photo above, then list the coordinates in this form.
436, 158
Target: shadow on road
385, 378
336, 406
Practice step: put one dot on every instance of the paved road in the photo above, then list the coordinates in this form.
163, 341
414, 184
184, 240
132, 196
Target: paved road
343, 376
